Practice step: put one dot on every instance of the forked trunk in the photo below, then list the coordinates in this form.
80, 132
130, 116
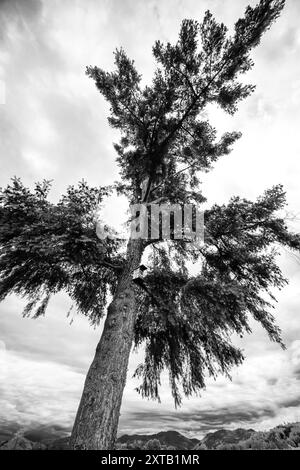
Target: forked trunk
98, 413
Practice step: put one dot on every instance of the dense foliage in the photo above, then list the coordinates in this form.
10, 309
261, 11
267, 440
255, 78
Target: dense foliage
187, 321
46, 248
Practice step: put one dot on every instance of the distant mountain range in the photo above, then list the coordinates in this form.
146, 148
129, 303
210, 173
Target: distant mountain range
223, 437
167, 438
285, 436
174, 439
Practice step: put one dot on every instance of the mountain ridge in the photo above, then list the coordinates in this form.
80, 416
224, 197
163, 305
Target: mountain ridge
168, 438
285, 436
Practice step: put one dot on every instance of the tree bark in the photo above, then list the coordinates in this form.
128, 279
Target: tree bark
97, 417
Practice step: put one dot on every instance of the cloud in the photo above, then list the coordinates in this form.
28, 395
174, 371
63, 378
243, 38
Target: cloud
38, 393
51, 338
42, 433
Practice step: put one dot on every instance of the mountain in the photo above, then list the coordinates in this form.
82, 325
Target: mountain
40, 433
223, 437
166, 438
285, 436
21, 443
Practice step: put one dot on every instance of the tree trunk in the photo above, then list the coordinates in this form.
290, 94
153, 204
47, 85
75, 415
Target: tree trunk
97, 417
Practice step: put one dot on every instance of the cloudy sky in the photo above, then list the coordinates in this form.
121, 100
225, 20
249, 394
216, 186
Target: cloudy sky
53, 125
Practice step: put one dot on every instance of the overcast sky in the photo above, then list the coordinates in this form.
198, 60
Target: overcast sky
53, 125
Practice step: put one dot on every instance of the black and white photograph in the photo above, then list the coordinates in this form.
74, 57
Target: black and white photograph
149, 228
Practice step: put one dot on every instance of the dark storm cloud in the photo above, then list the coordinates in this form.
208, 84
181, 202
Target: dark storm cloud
219, 417
290, 403
42, 433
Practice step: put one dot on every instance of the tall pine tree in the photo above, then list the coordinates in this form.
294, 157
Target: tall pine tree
185, 322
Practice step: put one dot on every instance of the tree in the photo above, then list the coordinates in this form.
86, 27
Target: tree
184, 321
153, 444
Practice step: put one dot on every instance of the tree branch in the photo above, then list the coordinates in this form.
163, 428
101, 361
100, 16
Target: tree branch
115, 267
